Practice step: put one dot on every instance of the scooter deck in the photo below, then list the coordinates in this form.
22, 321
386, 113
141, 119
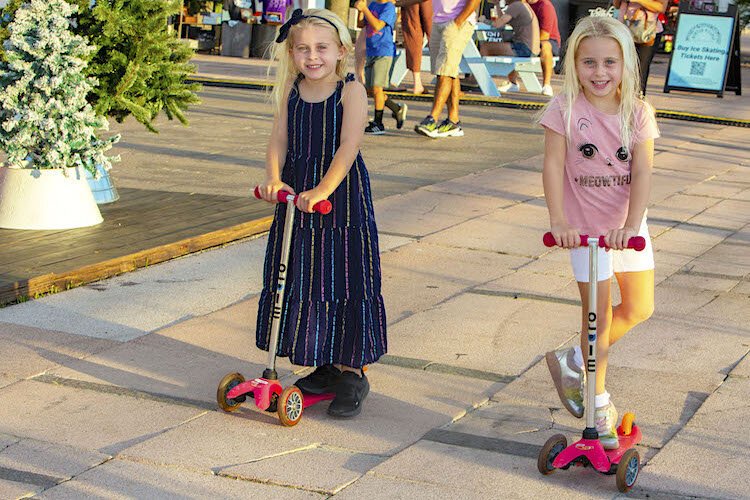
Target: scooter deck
626, 442
311, 399
591, 452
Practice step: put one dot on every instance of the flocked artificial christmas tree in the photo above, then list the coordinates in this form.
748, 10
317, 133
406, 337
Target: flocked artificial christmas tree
140, 65
47, 127
45, 119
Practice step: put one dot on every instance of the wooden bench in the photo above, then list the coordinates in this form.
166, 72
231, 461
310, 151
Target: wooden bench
483, 68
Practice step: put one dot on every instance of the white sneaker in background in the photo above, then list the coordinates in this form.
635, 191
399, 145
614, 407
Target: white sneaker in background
547, 90
508, 87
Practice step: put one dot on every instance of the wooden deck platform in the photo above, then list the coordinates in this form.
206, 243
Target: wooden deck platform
142, 228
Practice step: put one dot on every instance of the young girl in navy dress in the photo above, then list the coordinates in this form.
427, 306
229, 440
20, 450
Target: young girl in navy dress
598, 156
334, 317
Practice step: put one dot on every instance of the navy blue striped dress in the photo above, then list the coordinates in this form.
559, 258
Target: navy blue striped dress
334, 310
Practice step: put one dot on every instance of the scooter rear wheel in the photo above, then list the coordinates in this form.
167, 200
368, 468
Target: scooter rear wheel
627, 470
549, 451
227, 383
290, 406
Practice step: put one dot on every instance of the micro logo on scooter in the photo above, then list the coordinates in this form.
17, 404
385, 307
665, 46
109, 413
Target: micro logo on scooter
584, 447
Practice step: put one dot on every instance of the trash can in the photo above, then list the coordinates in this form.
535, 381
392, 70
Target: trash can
263, 37
235, 39
581, 8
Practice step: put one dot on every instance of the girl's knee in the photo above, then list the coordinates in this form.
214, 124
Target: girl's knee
637, 313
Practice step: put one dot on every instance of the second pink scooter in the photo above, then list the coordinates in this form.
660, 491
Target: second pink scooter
625, 461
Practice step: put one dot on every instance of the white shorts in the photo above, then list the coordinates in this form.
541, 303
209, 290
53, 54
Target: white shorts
613, 261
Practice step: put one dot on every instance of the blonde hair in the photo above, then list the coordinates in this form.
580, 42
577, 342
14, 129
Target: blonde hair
286, 72
630, 94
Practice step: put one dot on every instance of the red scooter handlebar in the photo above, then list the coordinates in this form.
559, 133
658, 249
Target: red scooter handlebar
636, 243
323, 207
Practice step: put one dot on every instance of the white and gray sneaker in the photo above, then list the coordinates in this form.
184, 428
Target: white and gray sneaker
568, 378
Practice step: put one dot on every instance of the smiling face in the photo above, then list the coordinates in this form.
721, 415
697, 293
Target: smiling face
599, 66
316, 51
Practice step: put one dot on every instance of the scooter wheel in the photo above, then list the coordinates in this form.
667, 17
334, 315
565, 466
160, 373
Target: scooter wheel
290, 406
227, 383
549, 451
626, 426
627, 470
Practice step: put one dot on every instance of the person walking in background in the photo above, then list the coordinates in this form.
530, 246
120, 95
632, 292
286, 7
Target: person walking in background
416, 23
379, 19
598, 157
650, 10
334, 316
525, 41
549, 37
452, 28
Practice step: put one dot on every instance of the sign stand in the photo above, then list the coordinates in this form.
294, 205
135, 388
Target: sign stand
706, 54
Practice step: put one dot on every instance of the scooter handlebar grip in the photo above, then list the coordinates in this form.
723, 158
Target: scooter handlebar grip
636, 243
323, 207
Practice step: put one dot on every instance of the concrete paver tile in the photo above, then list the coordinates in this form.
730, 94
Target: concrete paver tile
27, 351
322, 470
731, 215
660, 414
711, 443
495, 334
422, 275
186, 360
377, 487
526, 282
13, 489
423, 212
506, 183
402, 405
478, 472
681, 207
38, 457
122, 479
516, 230
84, 419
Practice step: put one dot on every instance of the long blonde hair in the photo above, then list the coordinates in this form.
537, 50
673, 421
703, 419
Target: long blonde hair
286, 72
630, 94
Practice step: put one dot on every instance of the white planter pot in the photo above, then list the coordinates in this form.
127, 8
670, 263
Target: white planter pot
46, 199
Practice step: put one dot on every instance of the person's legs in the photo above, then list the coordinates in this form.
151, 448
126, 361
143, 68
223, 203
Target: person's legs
379, 97
645, 56
360, 56
545, 56
637, 293
442, 93
412, 28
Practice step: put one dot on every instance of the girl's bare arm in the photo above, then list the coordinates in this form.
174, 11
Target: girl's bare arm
553, 176
276, 154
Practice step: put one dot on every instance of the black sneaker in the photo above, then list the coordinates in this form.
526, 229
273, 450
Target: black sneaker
375, 128
350, 393
324, 379
427, 127
449, 129
400, 115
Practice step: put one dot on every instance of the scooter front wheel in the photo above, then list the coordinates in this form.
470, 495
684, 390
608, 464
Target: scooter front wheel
290, 406
627, 470
227, 383
549, 452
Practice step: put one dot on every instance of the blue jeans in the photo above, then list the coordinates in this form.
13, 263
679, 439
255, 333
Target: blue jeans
520, 49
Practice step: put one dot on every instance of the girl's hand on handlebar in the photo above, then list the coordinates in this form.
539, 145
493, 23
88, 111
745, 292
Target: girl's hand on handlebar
617, 239
269, 189
565, 236
307, 199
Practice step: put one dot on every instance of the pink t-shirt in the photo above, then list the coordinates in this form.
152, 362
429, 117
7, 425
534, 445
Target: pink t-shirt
447, 10
596, 186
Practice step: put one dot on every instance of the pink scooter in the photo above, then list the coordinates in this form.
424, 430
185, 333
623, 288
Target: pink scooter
267, 392
624, 462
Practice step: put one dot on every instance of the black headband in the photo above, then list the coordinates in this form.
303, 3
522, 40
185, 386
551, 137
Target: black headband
298, 16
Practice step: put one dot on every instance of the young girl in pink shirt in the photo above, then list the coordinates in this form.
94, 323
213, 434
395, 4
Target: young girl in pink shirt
599, 147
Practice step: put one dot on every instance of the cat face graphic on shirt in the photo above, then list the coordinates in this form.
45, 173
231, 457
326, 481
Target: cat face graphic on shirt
587, 151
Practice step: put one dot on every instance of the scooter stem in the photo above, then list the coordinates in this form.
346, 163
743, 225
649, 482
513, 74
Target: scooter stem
278, 298
590, 431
